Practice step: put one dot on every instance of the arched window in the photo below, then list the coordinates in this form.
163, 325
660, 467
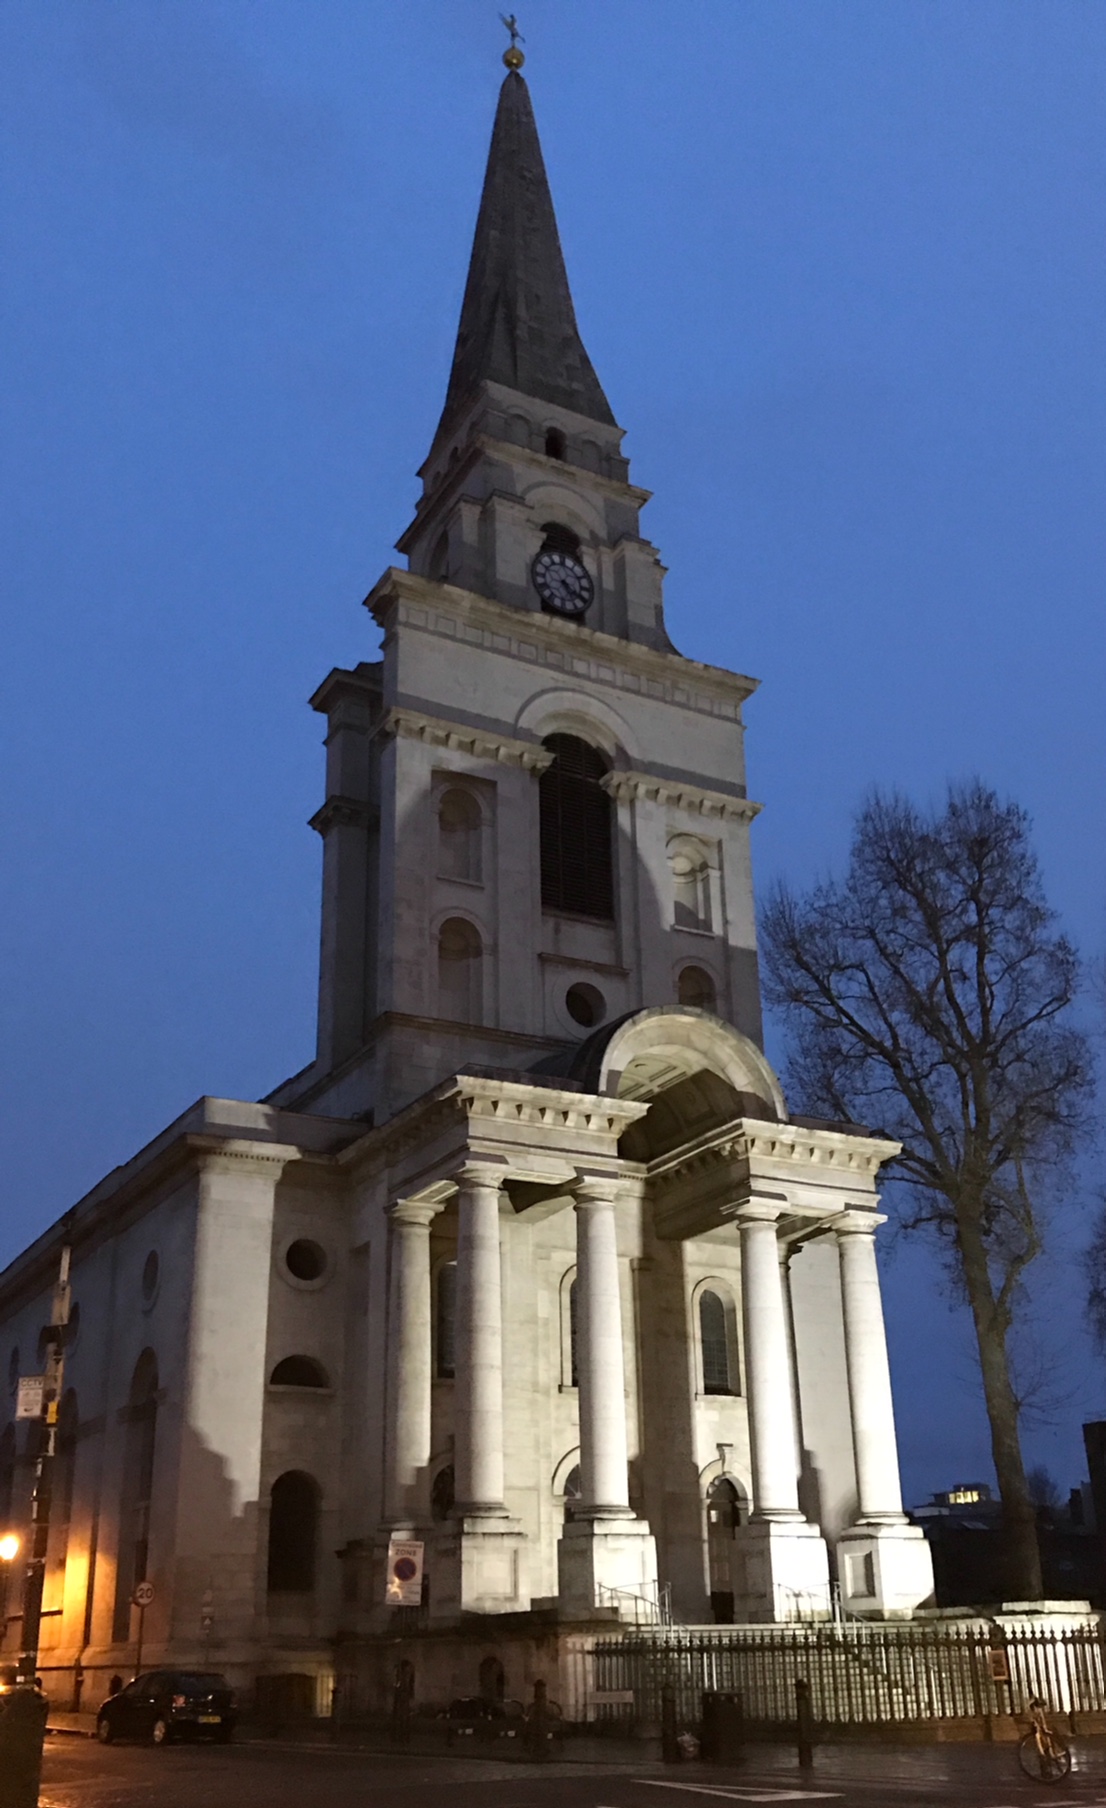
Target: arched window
577, 824
715, 1344
695, 987
299, 1371
293, 1533
691, 905
442, 1495
726, 1510
460, 979
459, 836
554, 443
137, 1491
574, 1489
573, 1345
446, 1326
493, 1679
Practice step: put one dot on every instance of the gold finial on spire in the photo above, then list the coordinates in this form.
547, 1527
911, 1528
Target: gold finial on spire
513, 57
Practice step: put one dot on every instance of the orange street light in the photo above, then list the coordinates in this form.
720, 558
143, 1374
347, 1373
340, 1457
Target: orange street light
9, 1547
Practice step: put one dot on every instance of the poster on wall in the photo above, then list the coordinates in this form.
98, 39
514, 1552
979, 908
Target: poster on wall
404, 1583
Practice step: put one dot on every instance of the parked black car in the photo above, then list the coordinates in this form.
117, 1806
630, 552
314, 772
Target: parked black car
474, 1717
169, 1704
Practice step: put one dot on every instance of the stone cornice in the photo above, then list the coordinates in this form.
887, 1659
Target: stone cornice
753, 1142
627, 785
571, 649
512, 1102
482, 744
342, 813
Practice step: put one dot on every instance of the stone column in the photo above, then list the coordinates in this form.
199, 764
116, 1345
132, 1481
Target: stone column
873, 1417
407, 1427
478, 1392
604, 1478
767, 1367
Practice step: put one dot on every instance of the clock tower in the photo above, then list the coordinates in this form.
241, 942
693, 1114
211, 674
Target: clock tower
536, 820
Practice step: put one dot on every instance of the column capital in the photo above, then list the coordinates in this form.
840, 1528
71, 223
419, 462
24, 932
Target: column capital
480, 1174
596, 1189
413, 1211
858, 1221
759, 1211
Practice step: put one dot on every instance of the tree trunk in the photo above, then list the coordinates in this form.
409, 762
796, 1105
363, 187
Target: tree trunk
1023, 1555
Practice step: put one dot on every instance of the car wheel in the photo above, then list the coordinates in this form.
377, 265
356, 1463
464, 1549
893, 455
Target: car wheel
159, 1732
104, 1731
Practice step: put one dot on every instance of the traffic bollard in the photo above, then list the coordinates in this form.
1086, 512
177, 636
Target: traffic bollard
805, 1724
22, 1730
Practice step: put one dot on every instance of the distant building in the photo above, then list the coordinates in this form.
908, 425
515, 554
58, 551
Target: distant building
530, 1266
964, 1527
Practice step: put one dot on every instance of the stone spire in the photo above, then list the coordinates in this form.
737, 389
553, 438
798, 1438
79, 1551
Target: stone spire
518, 326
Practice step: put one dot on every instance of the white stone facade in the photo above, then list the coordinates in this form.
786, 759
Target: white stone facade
534, 1222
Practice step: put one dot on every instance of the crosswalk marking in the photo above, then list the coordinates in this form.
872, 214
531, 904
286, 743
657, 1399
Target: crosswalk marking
748, 1795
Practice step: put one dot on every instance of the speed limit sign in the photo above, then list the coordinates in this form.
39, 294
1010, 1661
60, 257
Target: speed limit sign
143, 1594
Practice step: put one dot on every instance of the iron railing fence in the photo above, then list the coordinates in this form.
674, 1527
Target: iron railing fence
859, 1674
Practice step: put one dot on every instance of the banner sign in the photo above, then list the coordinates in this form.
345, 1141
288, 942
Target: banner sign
29, 1399
404, 1584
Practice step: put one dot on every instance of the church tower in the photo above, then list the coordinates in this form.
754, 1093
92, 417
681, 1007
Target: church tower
536, 820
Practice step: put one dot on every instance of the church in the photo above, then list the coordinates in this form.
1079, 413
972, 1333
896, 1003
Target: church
530, 1268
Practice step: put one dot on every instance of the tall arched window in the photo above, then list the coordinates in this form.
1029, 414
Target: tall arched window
691, 903
460, 977
577, 830
715, 1344
459, 836
573, 1343
695, 987
137, 1491
446, 1325
442, 1494
293, 1533
299, 1371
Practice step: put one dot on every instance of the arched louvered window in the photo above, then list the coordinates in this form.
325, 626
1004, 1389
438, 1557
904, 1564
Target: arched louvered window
446, 1328
696, 988
573, 1343
577, 830
293, 1533
715, 1344
460, 979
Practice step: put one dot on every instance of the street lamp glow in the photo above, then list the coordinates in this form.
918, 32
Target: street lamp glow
9, 1547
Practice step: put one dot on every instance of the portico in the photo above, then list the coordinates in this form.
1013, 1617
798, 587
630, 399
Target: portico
524, 1167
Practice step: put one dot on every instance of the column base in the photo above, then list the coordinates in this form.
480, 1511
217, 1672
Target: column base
886, 1571
480, 1565
780, 1572
608, 1562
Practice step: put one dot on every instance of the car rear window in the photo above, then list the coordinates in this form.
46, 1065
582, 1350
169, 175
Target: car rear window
201, 1680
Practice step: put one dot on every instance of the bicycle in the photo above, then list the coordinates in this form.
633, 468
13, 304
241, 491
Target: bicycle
1042, 1754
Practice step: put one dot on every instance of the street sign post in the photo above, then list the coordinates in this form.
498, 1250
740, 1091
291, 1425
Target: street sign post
30, 1396
142, 1597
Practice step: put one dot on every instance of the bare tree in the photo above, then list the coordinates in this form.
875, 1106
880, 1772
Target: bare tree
929, 992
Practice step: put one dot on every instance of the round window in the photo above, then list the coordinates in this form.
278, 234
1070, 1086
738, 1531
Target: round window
151, 1274
305, 1259
586, 1005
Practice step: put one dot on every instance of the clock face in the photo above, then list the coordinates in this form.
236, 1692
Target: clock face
562, 583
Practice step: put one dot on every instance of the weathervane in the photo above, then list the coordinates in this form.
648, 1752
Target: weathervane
513, 57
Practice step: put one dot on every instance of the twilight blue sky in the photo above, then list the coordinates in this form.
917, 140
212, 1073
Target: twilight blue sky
840, 266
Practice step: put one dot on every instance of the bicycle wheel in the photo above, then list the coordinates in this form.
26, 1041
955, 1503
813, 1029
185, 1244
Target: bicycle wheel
1045, 1758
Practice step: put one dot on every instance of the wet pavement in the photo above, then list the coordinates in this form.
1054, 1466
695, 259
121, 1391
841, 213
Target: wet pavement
271, 1774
